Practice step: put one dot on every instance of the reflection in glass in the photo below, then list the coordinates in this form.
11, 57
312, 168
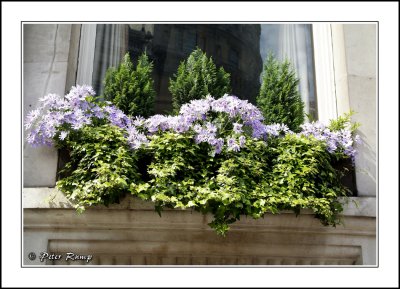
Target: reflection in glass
239, 48
293, 41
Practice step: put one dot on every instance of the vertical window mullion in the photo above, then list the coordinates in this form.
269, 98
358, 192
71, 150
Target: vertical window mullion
324, 72
86, 54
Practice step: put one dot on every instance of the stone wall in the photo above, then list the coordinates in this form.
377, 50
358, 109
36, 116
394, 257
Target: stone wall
45, 63
361, 58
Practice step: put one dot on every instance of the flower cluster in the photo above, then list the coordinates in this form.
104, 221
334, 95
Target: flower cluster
234, 106
277, 129
337, 141
209, 119
197, 109
135, 138
54, 112
222, 123
179, 124
55, 116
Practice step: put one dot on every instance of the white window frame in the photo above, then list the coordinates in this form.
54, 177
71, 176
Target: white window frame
330, 71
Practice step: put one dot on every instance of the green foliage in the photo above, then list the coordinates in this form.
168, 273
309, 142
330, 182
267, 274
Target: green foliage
131, 89
196, 78
101, 168
344, 122
279, 98
181, 170
288, 173
302, 176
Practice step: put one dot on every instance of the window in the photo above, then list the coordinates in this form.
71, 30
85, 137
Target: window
239, 48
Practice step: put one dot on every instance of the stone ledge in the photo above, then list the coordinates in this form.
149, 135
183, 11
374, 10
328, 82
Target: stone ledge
131, 233
51, 198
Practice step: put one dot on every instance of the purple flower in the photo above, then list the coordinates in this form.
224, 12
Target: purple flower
211, 128
206, 133
80, 92
139, 121
117, 117
242, 141
32, 137
337, 141
228, 103
156, 122
54, 111
98, 112
236, 107
259, 129
196, 109
49, 100
331, 146
276, 129
232, 145
63, 135
197, 128
135, 138
218, 145
31, 117
237, 127
179, 124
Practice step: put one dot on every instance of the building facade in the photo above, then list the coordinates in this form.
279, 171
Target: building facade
337, 66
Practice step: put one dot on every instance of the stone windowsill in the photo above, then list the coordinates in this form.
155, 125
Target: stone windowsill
51, 198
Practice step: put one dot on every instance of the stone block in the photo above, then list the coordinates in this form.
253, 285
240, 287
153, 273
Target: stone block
361, 57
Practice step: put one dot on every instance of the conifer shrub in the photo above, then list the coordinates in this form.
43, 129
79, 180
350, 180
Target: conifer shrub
131, 88
197, 77
279, 98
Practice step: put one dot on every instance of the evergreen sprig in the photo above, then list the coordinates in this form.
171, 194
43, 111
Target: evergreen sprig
197, 77
279, 98
131, 88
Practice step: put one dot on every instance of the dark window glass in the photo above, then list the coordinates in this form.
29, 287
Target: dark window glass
239, 48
